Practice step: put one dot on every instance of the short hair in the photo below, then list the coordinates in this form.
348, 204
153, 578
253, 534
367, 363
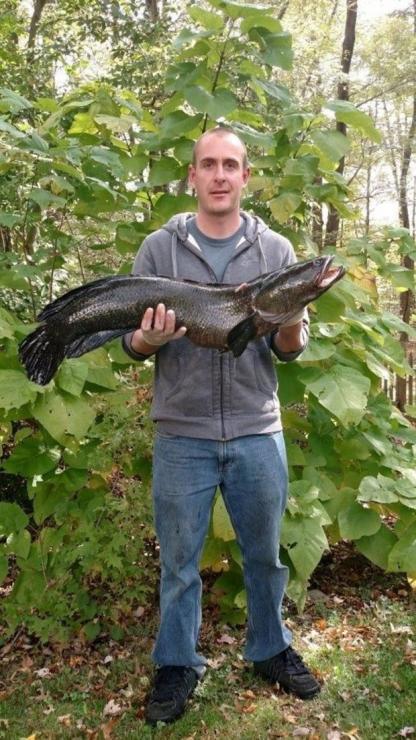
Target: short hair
220, 131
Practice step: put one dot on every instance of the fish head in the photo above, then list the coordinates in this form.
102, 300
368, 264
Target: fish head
287, 291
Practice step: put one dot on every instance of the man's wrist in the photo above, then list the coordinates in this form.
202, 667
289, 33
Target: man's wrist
289, 338
139, 344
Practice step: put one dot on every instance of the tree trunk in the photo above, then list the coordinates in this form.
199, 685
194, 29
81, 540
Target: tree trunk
407, 297
153, 10
332, 225
38, 7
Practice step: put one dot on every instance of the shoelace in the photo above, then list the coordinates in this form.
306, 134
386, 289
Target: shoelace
169, 680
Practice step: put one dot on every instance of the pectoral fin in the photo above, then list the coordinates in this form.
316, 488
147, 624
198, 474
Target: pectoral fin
241, 334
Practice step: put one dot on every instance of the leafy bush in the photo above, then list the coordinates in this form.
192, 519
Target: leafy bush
85, 178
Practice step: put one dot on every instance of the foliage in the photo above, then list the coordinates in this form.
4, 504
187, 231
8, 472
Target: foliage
84, 178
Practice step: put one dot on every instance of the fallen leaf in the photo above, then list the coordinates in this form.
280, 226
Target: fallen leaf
108, 659
112, 708
108, 728
333, 735
249, 709
65, 719
43, 673
406, 731
226, 639
401, 629
301, 731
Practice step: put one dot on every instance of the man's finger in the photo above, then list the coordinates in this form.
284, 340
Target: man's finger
160, 314
147, 320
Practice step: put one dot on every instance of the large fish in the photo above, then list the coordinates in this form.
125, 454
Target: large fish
225, 317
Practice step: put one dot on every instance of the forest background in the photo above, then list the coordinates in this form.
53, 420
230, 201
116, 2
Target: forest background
99, 106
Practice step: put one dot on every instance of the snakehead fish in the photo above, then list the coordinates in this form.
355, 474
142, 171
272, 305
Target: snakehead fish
224, 317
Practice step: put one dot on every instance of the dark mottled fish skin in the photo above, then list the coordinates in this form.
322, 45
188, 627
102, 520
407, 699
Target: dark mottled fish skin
223, 317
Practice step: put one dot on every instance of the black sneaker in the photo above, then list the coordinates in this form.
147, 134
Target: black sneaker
173, 685
290, 672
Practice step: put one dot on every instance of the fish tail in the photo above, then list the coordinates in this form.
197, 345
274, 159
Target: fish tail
41, 353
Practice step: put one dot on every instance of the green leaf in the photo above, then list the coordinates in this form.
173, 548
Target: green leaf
62, 416
179, 123
284, 206
255, 138
347, 113
83, 123
72, 376
222, 527
45, 199
402, 556
116, 124
164, 171
4, 567
217, 104
276, 48
31, 457
15, 390
378, 546
342, 390
275, 90
355, 522
12, 130
332, 143
12, 518
305, 541
240, 10
9, 219
261, 21
12, 102
134, 166
18, 543
210, 21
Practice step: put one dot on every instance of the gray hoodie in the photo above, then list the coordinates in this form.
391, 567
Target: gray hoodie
200, 392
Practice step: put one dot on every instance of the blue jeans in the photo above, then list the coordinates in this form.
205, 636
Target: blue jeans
251, 473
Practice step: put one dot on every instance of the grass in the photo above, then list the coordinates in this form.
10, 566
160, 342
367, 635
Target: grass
360, 641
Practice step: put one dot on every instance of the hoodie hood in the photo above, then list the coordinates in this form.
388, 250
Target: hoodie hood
254, 226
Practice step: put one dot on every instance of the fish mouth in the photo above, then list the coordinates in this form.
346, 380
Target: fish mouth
328, 274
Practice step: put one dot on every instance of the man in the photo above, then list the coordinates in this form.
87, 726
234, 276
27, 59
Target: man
218, 425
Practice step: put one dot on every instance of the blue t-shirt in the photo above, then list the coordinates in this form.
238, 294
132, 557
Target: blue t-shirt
217, 252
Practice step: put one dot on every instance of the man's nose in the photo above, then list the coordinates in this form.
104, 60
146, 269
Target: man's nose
219, 173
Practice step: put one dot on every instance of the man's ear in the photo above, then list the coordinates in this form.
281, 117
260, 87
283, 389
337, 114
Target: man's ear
246, 175
191, 174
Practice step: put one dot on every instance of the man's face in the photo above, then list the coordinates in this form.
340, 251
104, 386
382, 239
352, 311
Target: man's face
218, 175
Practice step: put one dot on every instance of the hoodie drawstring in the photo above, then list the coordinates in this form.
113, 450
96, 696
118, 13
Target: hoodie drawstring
263, 260
174, 254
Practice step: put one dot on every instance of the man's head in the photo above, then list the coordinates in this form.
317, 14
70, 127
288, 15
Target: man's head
219, 171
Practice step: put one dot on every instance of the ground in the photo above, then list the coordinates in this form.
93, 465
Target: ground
357, 633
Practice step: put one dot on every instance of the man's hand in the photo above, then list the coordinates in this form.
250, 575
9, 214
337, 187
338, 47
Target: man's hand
290, 338
157, 327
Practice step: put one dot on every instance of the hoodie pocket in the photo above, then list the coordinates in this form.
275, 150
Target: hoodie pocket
253, 381
184, 381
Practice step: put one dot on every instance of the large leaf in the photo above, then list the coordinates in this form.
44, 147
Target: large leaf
179, 123
217, 104
347, 113
164, 171
275, 90
355, 522
61, 416
222, 527
12, 518
402, 556
15, 389
284, 206
342, 390
210, 21
305, 541
377, 546
32, 457
332, 143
